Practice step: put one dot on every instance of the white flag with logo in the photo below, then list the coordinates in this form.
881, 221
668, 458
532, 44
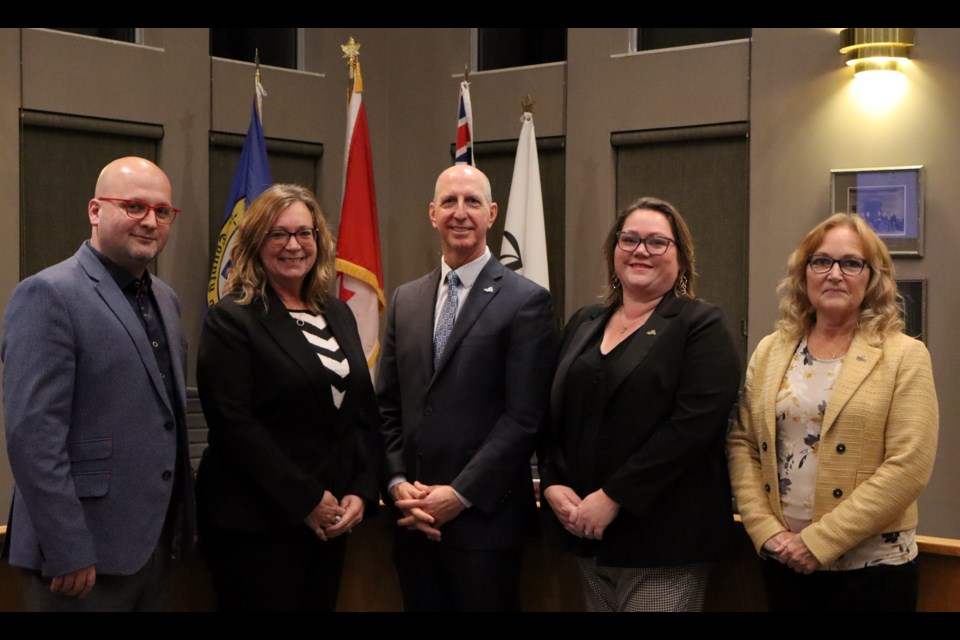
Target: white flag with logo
524, 247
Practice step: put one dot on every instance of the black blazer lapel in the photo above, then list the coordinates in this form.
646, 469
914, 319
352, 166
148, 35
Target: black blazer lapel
288, 335
643, 341
582, 334
340, 325
421, 328
484, 290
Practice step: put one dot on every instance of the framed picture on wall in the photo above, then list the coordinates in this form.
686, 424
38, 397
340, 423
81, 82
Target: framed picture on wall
889, 199
914, 292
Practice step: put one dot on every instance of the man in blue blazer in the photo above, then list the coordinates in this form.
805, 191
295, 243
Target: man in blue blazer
463, 390
94, 407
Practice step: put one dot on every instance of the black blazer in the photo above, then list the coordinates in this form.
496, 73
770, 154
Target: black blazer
277, 440
660, 436
473, 423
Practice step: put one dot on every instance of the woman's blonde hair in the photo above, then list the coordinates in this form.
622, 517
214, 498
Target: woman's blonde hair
880, 311
681, 235
247, 277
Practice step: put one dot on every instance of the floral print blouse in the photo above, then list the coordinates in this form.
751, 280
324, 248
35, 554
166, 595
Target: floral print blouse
801, 405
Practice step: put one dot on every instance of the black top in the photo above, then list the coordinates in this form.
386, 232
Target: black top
647, 424
581, 426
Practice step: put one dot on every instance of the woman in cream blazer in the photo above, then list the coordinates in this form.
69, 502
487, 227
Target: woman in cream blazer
872, 448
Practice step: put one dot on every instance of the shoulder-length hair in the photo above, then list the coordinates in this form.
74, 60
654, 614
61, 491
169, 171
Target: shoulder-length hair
880, 311
681, 235
247, 278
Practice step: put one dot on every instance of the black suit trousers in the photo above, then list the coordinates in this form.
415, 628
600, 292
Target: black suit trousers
438, 577
290, 571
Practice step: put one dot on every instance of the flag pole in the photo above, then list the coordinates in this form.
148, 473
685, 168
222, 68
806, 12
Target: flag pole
358, 263
258, 89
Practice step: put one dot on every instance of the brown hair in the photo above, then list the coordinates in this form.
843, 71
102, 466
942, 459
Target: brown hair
681, 235
248, 277
880, 311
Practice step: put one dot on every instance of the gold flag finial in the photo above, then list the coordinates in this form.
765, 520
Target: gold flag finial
466, 73
527, 104
350, 51
256, 64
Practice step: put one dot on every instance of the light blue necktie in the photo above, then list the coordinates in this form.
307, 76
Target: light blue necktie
448, 314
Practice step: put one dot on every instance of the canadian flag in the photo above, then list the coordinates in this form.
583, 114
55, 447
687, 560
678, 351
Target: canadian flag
360, 273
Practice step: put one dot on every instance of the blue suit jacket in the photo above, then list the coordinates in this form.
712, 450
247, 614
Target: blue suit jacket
91, 433
472, 423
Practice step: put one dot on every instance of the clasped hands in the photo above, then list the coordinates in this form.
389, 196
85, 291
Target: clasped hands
77, 583
426, 508
586, 518
332, 517
789, 548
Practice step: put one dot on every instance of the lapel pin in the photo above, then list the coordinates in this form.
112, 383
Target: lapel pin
488, 290
862, 358
652, 332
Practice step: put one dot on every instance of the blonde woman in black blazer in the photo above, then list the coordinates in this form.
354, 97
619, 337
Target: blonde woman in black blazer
634, 465
293, 459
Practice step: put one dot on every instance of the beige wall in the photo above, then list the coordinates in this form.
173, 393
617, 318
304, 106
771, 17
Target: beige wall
788, 84
805, 121
611, 90
10, 191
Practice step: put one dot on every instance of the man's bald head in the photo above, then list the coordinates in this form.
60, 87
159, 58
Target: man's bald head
466, 169
122, 170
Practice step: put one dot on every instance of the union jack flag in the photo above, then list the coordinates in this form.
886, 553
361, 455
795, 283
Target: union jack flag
464, 153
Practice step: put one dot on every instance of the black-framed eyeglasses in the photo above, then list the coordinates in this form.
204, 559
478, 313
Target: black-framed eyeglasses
821, 263
281, 237
656, 245
138, 209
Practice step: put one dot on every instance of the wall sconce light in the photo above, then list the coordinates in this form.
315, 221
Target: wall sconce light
876, 49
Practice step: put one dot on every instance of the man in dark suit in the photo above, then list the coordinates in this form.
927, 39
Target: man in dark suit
463, 390
94, 398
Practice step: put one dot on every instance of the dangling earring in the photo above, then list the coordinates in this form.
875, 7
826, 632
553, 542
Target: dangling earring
615, 281
680, 288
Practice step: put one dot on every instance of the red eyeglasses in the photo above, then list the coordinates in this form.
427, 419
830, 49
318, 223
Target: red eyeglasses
138, 209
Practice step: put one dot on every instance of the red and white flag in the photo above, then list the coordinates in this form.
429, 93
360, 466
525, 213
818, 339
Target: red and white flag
360, 279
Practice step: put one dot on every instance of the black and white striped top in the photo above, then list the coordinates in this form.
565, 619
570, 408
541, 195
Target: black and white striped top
318, 334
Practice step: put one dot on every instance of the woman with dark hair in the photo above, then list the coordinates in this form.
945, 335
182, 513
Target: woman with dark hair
293, 459
634, 466
837, 432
